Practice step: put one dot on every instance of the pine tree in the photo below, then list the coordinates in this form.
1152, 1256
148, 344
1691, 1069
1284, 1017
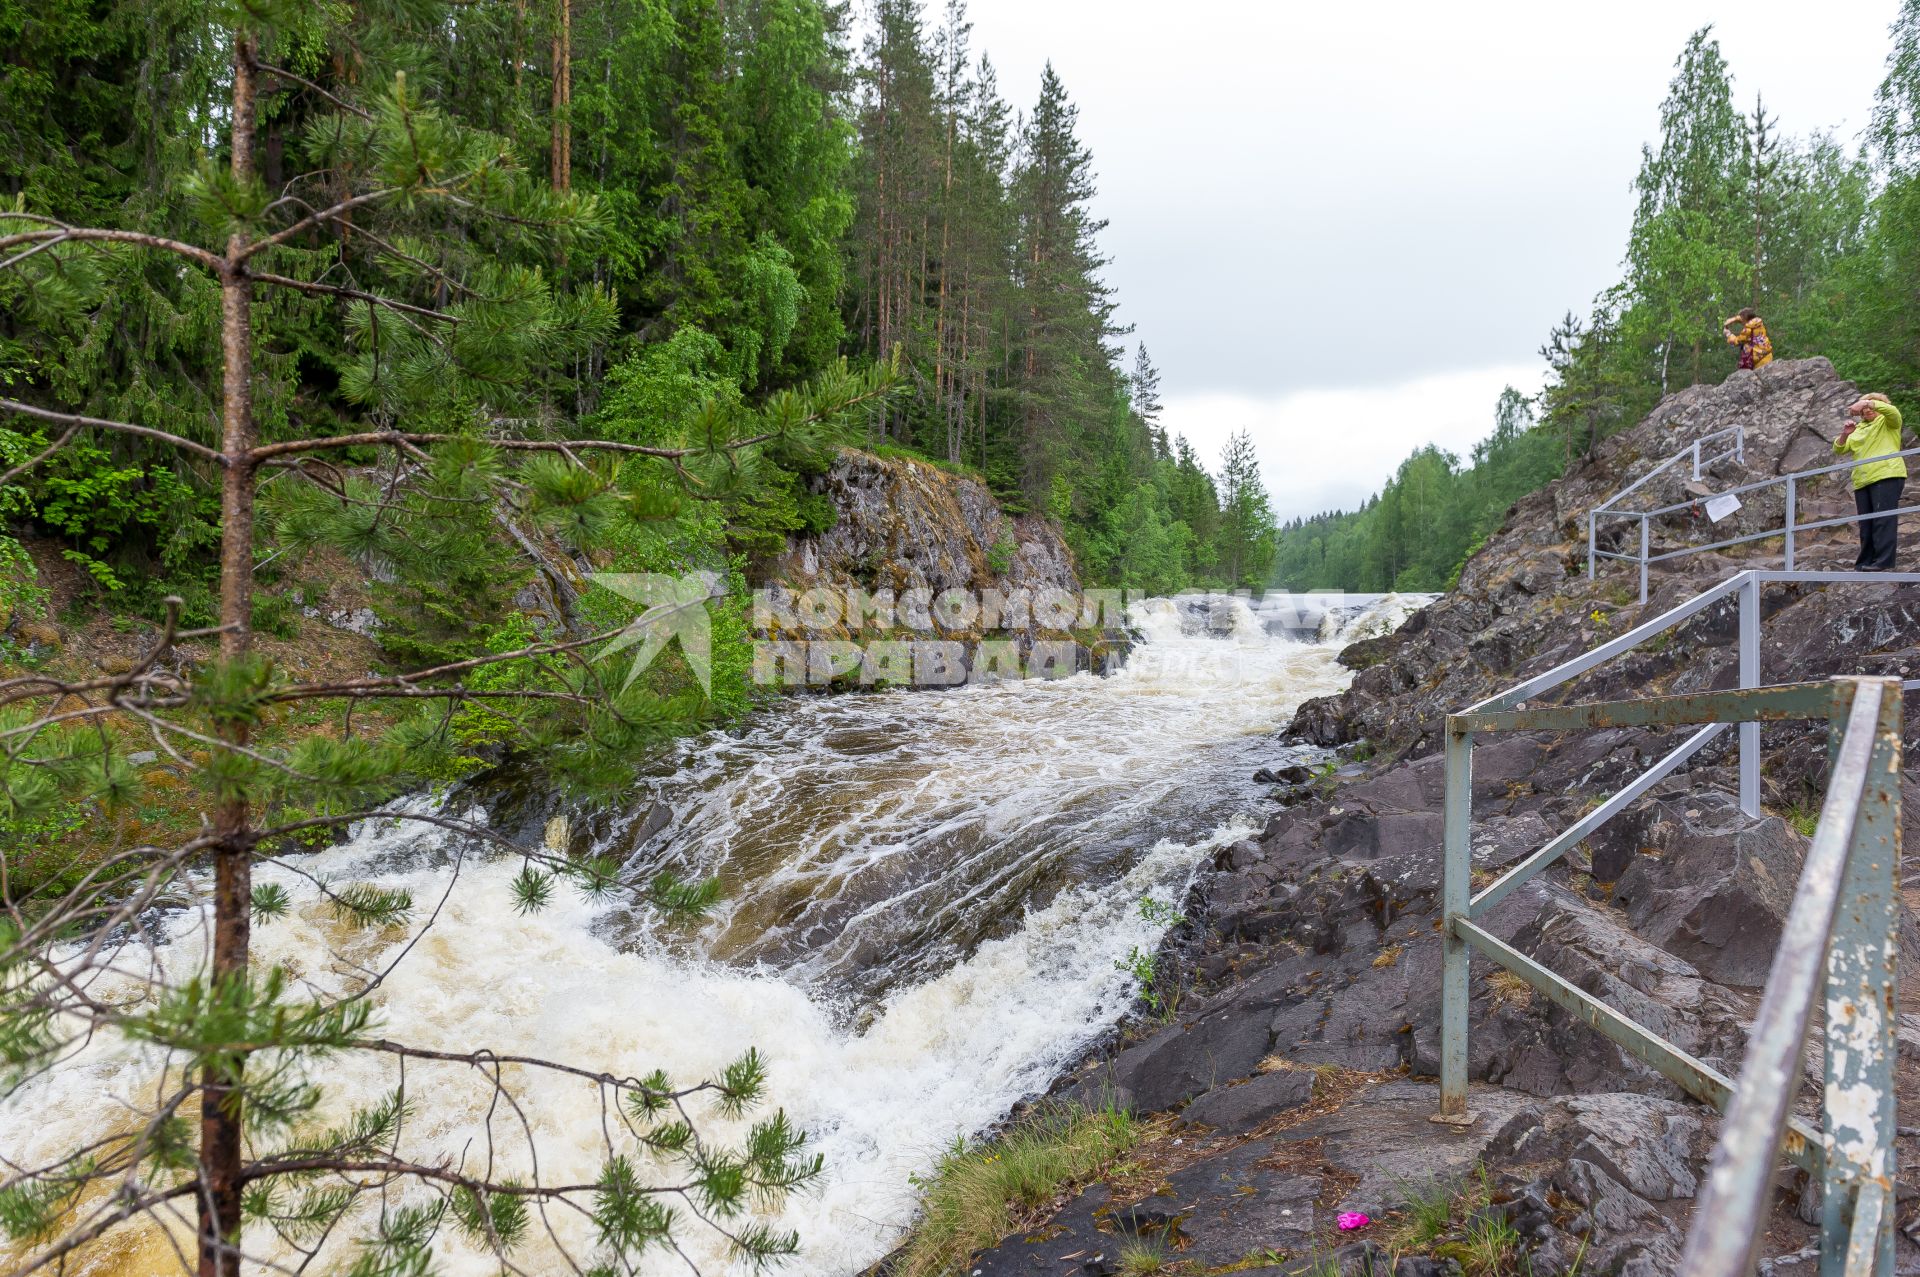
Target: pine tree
1067, 319
900, 138
426, 246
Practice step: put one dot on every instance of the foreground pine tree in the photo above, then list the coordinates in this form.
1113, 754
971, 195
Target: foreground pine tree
419, 241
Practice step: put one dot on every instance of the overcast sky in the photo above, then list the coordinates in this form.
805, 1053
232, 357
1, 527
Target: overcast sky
1347, 226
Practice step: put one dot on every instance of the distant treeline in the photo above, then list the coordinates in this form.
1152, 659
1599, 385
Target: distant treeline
1422, 525
1823, 241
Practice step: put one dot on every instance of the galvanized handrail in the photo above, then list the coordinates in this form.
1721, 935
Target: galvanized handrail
1747, 585
1788, 529
1605, 509
1853, 861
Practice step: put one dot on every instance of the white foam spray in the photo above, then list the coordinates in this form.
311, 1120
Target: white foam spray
886, 1041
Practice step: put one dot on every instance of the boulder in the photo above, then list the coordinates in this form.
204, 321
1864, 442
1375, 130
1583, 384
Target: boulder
1713, 885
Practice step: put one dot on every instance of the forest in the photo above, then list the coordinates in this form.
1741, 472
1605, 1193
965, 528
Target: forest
1820, 237
487, 313
758, 200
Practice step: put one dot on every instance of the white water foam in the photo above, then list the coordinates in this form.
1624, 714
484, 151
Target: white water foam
941, 1052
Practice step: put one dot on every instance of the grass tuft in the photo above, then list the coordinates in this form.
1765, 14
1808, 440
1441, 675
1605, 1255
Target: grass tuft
974, 1196
1424, 1218
1142, 1257
1508, 989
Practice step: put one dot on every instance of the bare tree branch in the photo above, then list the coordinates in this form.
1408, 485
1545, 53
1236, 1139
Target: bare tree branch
353, 294
101, 423
61, 231
40, 456
305, 83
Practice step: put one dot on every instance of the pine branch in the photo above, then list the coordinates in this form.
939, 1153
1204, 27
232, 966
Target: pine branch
305, 83
60, 231
101, 423
352, 294
247, 252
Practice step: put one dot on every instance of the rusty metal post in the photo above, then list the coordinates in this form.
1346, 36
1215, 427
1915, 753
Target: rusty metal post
1861, 1005
1456, 897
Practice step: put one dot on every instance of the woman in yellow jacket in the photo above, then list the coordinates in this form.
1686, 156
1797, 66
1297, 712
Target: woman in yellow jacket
1878, 479
1749, 332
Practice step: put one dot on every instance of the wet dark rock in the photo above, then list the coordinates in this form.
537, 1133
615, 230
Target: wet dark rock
1242, 1107
1712, 885
1362, 1259
1144, 1218
1295, 774
1419, 1266
1181, 1060
1318, 942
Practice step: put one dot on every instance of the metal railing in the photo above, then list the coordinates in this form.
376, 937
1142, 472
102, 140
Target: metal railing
1699, 453
1747, 585
1844, 918
1787, 530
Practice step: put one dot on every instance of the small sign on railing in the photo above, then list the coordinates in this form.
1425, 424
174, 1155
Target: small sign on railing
1721, 506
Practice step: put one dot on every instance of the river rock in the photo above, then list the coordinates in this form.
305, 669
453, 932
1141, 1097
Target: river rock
1244, 1106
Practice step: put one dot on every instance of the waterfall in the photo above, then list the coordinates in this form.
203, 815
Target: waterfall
927, 893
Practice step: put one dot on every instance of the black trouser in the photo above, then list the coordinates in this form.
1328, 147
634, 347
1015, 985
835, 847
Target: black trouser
1877, 535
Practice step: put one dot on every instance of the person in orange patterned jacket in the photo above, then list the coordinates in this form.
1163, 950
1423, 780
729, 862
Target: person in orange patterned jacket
1749, 332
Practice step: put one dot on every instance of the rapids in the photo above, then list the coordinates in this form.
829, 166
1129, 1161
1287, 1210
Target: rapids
927, 894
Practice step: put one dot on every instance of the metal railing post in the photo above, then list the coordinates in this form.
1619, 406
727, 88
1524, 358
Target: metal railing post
1643, 558
1740, 445
1791, 517
1696, 461
1590, 545
1456, 897
1750, 677
1857, 1111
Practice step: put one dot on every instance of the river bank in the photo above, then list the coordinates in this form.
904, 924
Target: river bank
1295, 1079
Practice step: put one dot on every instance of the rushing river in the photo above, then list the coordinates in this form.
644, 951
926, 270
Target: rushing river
927, 893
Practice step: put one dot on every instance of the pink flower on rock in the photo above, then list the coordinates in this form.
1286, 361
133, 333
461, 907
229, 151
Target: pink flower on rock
1350, 1220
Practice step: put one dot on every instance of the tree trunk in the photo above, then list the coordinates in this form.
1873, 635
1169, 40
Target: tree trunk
221, 1118
563, 96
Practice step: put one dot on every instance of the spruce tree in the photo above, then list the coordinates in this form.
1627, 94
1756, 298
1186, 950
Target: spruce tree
1066, 307
1246, 516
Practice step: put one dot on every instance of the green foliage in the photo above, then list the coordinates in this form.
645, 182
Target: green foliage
270, 901
22, 597
969, 1200
491, 1218
31, 1209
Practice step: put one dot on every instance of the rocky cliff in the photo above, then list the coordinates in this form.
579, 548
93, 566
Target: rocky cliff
927, 556
903, 524
1300, 1063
